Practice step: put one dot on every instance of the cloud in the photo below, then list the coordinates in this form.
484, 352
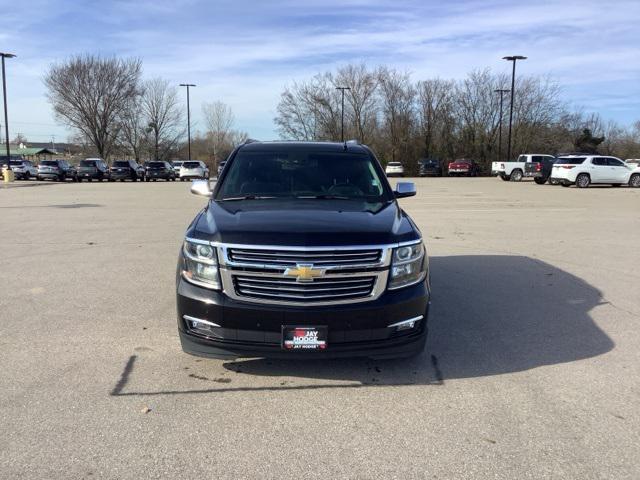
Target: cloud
244, 52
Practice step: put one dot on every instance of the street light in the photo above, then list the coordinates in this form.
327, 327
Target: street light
6, 115
501, 91
188, 116
342, 89
514, 59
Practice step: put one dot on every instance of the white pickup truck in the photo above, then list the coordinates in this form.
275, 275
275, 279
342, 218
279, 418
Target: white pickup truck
514, 171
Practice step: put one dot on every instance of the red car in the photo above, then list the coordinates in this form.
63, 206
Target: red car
467, 168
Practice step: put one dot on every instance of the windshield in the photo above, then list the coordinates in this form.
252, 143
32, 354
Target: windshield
16, 163
304, 174
156, 165
176, 164
120, 164
49, 163
87, 163
570, 160
191, 164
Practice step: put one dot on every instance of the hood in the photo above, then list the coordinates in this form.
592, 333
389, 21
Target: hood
303, 223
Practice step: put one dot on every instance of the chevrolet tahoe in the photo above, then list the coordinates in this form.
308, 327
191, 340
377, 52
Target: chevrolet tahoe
303, 251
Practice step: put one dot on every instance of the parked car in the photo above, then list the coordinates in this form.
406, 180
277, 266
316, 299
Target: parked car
394, 169
583, 170
93, 169
23, 169
430, 167
221, 166
540, 168
464, 167
57, 170
126, 170
516, 171
303, 251
176, 164
192, 169
160, 170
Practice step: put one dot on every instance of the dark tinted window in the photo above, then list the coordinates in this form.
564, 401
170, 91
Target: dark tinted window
87, 163
16, 163
120, 164
613, 162
601, 162
191, 164
303, 173
156, 165
49, 163
570, 160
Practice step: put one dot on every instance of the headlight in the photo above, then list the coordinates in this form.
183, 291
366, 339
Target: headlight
200, 265
408, 266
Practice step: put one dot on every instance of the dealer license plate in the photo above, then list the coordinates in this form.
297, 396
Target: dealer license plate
304, 338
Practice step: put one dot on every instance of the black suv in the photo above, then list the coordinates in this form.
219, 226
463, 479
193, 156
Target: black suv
303, 251
157, 169
430, 167
126, 170
93, 169
58, 170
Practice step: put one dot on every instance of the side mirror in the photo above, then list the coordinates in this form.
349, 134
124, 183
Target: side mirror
405, 189
201, 187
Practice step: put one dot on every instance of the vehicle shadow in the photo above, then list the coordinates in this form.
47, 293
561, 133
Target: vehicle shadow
490, 314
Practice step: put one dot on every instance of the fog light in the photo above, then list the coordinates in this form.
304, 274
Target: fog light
406, 324
203, 327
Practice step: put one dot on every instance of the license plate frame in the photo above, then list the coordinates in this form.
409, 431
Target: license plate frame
304, 338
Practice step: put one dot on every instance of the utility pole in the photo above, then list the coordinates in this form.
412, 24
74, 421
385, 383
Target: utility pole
342, 89
501, 91
514, 59
6, 115
188, 117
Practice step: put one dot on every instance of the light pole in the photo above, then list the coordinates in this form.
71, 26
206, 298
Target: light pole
6, 115
188, 117
342, 89
501, 91
514, 59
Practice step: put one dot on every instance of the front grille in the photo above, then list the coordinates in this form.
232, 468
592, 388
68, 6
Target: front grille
285, 289
286, 258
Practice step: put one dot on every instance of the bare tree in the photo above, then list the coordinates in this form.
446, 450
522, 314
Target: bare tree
361, 97
219, 119
163, 117
90, 94
435, 116
397, 99
133, 135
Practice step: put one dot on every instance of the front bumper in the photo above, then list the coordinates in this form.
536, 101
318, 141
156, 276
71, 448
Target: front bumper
46, 175
255, 330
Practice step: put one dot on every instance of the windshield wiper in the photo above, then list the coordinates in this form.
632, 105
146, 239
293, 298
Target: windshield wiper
324, 197
246, 197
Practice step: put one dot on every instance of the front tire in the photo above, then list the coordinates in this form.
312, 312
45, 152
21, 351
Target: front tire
583, 180
634, 181
540, 181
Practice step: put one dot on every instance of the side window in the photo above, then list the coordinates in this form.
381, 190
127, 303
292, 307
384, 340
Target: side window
522, 158
613, 162
537, 158
598, 161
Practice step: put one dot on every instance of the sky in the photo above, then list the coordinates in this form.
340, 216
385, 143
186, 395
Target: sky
245, 52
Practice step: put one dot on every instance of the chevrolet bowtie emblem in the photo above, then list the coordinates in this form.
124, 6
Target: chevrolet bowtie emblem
304, 272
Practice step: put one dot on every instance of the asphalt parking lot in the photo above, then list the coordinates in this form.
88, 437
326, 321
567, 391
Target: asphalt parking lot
532, 368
